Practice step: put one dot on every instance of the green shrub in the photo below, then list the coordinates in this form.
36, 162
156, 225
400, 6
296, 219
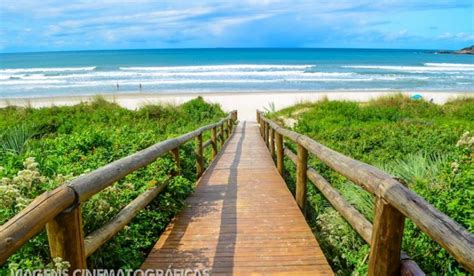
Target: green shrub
428, 146
69, 141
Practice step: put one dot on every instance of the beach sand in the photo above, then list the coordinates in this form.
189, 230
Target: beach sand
246, 103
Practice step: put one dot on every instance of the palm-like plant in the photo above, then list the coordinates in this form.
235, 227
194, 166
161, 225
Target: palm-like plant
15, 139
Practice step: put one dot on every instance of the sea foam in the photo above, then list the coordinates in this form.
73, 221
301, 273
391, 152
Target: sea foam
59, 69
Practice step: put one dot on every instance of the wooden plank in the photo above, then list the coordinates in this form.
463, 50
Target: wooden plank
358, 222
241, 219
452, 236
66, 238
31, 220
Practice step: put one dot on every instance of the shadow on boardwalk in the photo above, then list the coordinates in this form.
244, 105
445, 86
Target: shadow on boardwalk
241, 219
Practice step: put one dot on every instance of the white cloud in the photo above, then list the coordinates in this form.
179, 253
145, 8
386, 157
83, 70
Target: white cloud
461, 36
219, 25
396, 35
168, 22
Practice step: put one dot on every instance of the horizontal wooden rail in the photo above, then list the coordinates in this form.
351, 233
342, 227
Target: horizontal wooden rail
358, 222
95, 181
97, 238
50, 205
441, 228
207, 144
31, 220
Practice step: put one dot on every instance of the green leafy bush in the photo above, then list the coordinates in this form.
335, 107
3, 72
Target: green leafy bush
69, 141
428, 146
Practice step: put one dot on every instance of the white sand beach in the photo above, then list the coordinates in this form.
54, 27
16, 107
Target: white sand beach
245, 102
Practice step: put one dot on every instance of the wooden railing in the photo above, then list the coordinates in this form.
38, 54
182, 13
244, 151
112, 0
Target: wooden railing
394, 202
59, 210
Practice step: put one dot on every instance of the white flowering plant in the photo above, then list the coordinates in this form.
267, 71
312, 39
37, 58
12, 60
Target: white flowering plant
74, 140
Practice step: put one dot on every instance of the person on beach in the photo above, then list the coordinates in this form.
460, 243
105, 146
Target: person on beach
140, 87
118, 87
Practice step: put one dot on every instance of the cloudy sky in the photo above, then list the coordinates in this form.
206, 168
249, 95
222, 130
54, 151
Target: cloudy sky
50, 25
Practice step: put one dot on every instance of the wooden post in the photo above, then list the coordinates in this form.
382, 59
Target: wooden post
199, 156
222, 135
177, 161
66, 238
231, 126
214, 142
267, 126
272, 142
386, 243
258, 117
301, 177
234, 116
226, 129
279, 152
262, 128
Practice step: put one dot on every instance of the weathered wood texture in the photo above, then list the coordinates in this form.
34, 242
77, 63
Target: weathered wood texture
362, 226
30, 221
222, 135
301, 177
177, 161
272, 142
384, 258
279, 152
267, 134
241, 219
105, 233
199, 156
347, 211
207, 144
214, 142
66, 238
445, 231
95, 181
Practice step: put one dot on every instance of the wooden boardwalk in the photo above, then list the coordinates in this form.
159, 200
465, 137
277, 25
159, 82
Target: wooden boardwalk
241, 219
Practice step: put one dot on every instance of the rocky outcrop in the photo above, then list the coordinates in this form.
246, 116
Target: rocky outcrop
467, 51
463, 51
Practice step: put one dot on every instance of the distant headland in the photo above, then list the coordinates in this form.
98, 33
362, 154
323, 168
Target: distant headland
463, 51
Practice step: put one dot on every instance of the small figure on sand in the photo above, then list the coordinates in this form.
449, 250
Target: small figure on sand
118, 86
140, 87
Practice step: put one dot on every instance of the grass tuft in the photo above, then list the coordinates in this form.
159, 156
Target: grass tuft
15, 139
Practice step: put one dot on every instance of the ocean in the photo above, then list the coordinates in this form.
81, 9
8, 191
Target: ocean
231, 70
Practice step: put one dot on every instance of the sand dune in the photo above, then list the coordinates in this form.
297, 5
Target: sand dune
245, 102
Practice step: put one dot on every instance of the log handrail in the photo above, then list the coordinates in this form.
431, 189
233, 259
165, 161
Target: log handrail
47, 207
358, 222
453, 237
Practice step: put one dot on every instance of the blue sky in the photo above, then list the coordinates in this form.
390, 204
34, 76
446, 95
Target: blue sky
50, 25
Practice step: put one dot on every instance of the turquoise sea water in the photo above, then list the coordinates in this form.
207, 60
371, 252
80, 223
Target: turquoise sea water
216, 70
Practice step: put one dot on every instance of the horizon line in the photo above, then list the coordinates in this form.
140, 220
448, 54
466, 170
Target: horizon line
221, 48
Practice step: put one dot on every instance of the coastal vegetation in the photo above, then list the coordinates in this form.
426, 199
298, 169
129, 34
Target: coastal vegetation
430, 147
41, 149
